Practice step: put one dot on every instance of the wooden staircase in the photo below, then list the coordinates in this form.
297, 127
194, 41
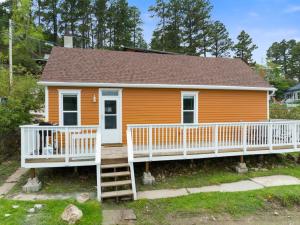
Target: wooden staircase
116, 181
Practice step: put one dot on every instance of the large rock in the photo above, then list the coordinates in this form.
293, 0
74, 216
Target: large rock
32, 185
71, 214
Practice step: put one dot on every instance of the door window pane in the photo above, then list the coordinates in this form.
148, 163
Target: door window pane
110, 122
110, 107
188, 117
110, 93
188, 103
70, 102
70, 118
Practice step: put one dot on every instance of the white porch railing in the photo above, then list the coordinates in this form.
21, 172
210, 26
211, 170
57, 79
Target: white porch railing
178, 141
60, 145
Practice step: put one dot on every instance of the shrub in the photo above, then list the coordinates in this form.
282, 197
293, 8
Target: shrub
23, 96
278, 111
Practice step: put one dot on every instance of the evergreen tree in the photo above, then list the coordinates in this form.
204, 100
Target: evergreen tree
221, 43
280, 53
195, 27
173, 27
48, 14
159, 10
100, 8
245, 47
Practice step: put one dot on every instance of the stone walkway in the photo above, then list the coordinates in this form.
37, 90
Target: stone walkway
37, 196
245, 185
11, 181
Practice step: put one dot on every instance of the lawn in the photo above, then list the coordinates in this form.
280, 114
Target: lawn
235, 204
49, 214
217, 172
63, 180
7, 168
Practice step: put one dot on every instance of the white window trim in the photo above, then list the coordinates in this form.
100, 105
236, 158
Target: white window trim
73, 92
195, 95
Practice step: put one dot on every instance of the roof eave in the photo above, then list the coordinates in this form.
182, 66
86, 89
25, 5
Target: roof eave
182, 86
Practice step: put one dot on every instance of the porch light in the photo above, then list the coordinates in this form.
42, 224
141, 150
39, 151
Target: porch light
94, 98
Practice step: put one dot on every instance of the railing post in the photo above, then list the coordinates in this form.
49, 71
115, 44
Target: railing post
270, 136
184, 141
67, 147
98, 162
294, 135
23, 153
150, 141
245, 138
130, 161
216, 139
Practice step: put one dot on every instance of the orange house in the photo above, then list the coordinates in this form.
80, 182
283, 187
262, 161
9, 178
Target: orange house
111, 109
116, 88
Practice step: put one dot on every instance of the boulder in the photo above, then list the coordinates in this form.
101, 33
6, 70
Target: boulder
83, 197
71, 214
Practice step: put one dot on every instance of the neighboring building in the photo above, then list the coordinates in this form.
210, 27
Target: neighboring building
292, 96
116, 108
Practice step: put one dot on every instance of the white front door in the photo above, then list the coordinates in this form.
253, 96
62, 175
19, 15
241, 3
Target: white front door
111, 115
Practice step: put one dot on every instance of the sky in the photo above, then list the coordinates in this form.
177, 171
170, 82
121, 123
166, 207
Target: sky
266, 21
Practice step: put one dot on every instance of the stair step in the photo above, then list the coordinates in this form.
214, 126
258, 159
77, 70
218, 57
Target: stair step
119, 165
116, 174
115, 183
116, 193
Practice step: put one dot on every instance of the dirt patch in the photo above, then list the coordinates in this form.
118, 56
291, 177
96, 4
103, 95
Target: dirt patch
282, 217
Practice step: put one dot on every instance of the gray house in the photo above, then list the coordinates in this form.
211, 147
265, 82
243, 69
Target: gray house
292, 96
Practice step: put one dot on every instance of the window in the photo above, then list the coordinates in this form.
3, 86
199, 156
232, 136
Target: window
189, 107
110, 92
110, 114
69, 108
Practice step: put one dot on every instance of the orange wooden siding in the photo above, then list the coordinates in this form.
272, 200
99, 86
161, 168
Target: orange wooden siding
89, 109
148, 106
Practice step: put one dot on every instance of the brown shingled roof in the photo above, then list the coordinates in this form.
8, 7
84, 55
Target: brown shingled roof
104, 66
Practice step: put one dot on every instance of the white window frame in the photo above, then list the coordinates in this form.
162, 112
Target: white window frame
62, 92
190, 94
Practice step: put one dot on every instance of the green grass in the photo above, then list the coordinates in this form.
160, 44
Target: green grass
215, 176
49, 214
62, 180
7, 168
236, 204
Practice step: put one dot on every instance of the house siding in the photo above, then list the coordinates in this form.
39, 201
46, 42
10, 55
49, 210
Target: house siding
147, 106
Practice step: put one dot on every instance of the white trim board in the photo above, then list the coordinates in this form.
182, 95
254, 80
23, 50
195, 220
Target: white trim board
182, 86
46, 107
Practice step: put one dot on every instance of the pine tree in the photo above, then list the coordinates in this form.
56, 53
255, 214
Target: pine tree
173, 34
159, 10
48, 16
245, 47
100, 8
221, 43
280, 53
69, 16
195, 28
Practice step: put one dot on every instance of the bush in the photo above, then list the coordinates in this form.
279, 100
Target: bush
23, 96
278, 111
